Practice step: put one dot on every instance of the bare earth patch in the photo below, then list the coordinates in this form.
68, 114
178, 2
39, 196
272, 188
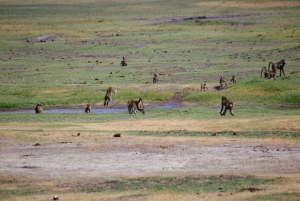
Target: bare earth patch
111, 158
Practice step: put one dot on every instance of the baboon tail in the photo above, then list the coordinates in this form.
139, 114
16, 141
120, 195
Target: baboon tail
262, 71
269, 65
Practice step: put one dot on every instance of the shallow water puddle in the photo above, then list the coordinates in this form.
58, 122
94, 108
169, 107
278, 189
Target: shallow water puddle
81, 110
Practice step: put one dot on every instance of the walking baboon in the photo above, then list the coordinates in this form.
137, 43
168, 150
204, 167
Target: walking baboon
88, 109
133, 106
155, 78
38, 108
279, 65
204, 87
233, 80
124, 62
268, 74
226, 105
222, 82
108, 95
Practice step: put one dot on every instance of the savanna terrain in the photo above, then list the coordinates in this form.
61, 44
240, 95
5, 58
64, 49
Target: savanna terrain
65, 54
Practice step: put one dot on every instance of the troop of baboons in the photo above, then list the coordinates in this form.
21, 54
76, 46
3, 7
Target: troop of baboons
133, 105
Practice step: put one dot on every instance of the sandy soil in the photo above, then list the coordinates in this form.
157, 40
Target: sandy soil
143, 156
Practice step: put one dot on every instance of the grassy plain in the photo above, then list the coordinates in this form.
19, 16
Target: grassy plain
66, 53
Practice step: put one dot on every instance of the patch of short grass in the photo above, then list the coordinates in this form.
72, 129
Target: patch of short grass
255, 91
28, 95
243, 134
10, 193
212, 184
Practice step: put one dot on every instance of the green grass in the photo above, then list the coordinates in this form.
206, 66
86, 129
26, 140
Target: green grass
255, 91
10, 193
227, 134
187, 184
189, 52
170, 184
29, 95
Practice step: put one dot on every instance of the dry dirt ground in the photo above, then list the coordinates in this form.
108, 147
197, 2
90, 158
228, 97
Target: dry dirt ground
82, 161
110, 158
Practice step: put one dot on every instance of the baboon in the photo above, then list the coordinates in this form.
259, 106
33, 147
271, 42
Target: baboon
131, 107
233, 80
222, 82
226, 105
279, 65
108, 95
204, 87
88, 109
155, 78
268, 74
124, 62
38, 108
135, 105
